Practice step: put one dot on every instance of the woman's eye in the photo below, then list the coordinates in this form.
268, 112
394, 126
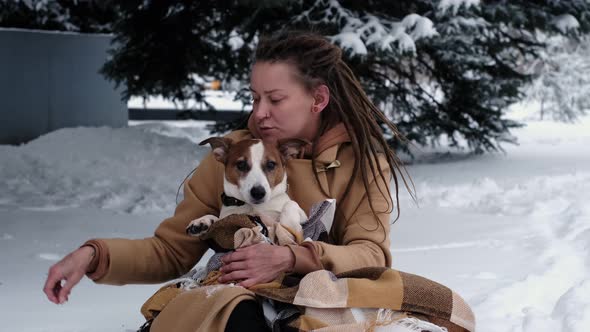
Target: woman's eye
275, 101
242, 166
270, 165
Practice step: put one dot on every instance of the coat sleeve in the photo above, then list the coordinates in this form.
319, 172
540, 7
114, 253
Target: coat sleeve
170, 252
361, 237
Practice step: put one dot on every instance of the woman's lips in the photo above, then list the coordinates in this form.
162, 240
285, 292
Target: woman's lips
266, 129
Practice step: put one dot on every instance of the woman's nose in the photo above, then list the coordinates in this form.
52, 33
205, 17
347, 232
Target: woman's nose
261, 111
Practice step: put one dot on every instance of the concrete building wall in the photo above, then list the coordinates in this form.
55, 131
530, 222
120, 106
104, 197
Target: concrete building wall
50, 81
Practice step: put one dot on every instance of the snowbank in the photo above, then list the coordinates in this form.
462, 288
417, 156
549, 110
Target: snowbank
129, 169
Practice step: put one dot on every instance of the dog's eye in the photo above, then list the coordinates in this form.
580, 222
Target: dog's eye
242, 166
270, 165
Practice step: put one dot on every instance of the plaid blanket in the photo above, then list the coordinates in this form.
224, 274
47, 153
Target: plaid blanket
358, 300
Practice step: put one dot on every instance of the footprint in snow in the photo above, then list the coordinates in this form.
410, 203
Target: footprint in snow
480, 276
486, 276
50, 257
6, 237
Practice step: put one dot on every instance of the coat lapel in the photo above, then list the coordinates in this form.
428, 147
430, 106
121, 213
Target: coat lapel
303, 186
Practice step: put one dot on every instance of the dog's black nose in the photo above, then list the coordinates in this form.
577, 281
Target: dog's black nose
257, 192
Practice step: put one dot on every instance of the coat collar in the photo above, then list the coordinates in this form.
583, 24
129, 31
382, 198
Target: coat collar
327, 145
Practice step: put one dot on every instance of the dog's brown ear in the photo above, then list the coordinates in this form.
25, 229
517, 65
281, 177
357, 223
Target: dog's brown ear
292, 147
220, 147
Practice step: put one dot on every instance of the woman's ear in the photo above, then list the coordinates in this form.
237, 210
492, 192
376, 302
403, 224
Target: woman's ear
321, 98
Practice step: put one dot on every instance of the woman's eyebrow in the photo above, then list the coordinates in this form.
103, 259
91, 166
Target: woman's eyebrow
267, 92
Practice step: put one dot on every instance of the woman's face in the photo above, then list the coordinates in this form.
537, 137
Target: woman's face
282, 107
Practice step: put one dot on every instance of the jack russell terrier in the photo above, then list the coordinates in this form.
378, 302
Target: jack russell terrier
255, 183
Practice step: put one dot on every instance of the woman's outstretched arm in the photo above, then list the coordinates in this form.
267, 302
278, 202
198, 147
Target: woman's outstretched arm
166, 255
170, 252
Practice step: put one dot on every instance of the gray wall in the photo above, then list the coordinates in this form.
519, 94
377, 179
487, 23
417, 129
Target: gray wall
50, 81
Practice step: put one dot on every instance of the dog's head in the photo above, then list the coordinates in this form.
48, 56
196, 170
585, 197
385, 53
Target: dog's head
255, 171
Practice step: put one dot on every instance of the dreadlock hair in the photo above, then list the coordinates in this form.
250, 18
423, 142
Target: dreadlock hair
318, 62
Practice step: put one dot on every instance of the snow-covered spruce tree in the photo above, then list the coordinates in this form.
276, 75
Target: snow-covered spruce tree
562, 80
58, 15
169, 48
445, 68
438, 68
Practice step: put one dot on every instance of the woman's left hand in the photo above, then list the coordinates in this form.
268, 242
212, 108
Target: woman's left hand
256, 264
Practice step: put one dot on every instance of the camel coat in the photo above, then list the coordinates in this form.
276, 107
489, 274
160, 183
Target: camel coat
357, 240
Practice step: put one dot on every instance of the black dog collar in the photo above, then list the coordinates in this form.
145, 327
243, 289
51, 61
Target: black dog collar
231, 201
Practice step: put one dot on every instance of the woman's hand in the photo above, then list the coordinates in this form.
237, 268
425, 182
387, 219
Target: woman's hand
256, 264
70, 269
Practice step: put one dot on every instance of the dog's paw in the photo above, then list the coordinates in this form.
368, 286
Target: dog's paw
200, 226
292, 215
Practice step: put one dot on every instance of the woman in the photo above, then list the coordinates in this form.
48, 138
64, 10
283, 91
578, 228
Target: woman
301, 88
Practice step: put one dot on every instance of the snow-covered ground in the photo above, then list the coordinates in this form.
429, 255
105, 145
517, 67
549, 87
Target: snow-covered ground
509, 231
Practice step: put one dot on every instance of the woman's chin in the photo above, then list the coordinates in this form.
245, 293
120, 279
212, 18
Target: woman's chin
269, 139
269, 136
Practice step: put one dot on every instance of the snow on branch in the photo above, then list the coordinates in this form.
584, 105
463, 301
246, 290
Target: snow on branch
350, 41
327, 11
455, 5
469, 22
359, 31
235, 41
565, 23
418, 26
